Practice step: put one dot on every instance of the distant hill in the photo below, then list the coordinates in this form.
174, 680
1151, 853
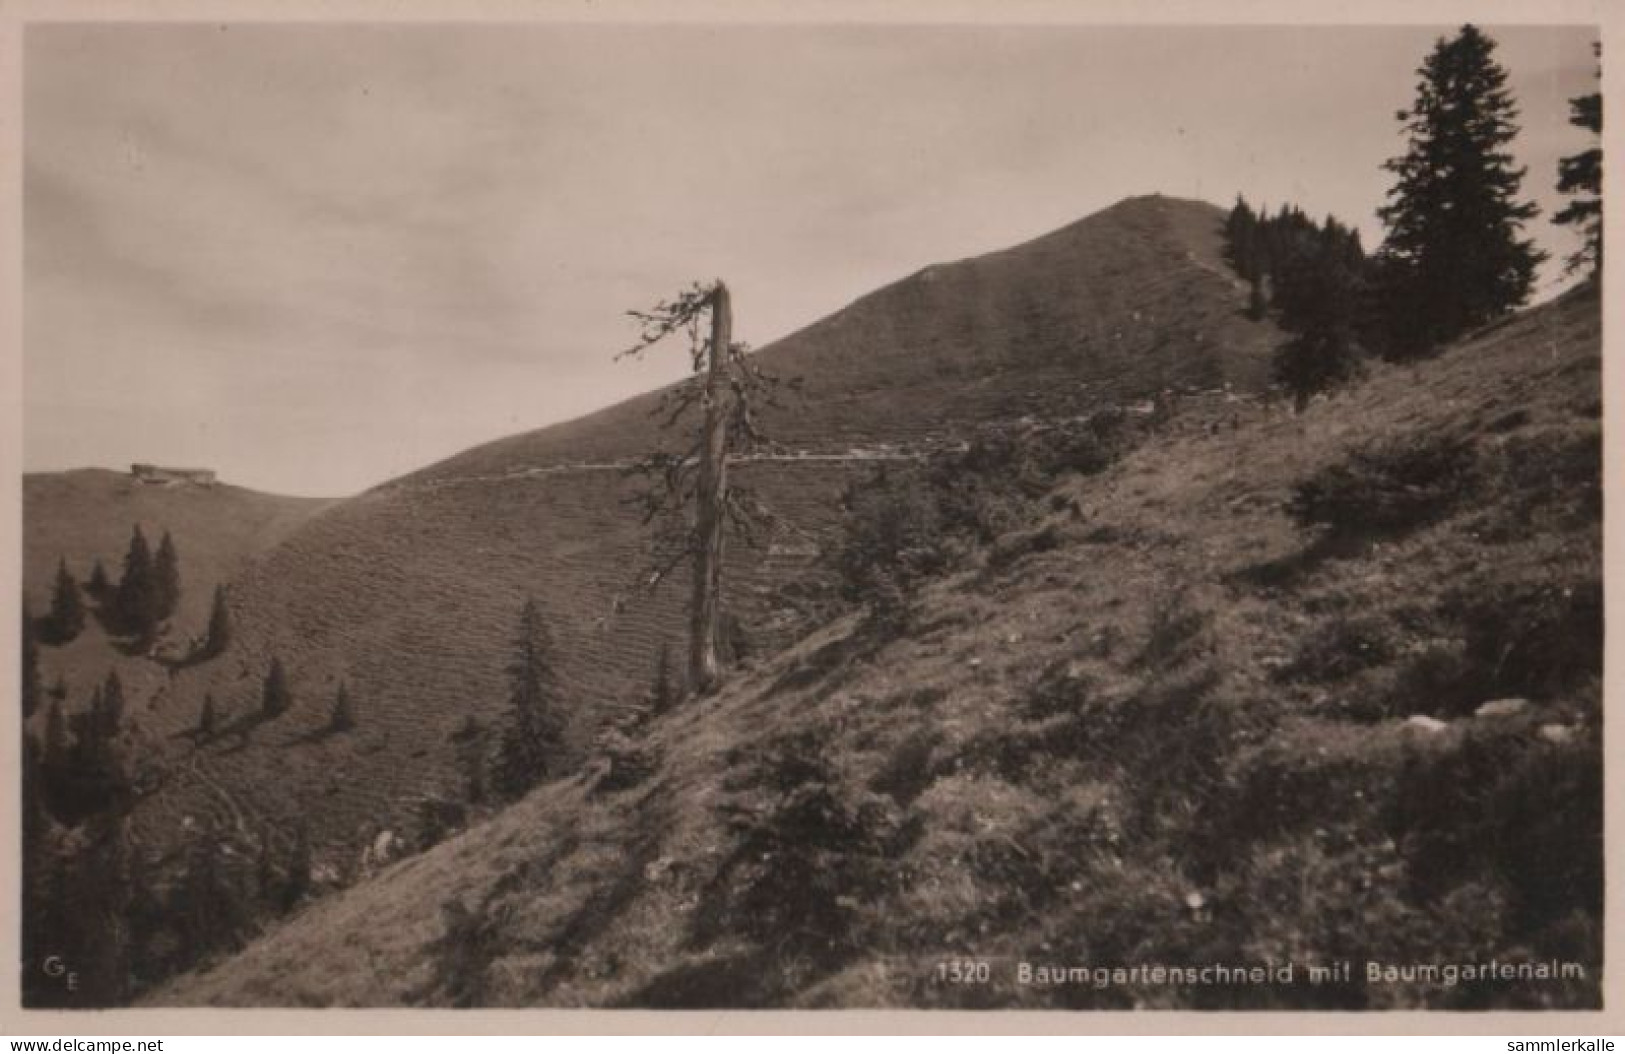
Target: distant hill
1185, 728
86, 515
409, 592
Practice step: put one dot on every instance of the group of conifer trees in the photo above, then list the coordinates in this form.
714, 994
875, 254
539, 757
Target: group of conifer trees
96, 904
76, 793
146, 595
1454, 256
1309, 275
90, 906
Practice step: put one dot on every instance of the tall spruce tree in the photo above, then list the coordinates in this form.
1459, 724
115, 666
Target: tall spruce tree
533, 737
213, 904
166, 577
219, 632
55, 750
98, 585
1454, 220
67, 615
109, 706
208, 717
1241, 241
662, 693
136, 602
298, 870
36, 825
342, 719
101, 898
1257, 305
1580, 176
1318, 300
274, 695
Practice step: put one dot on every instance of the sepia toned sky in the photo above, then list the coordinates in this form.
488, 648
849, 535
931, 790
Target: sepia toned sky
315, 257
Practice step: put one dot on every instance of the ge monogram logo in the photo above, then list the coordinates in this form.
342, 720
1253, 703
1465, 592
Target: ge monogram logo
55, 967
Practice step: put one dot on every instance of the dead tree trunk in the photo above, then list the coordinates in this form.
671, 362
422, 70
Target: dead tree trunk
705, 611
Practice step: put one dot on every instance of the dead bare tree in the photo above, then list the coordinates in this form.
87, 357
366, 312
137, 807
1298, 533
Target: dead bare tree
688, 500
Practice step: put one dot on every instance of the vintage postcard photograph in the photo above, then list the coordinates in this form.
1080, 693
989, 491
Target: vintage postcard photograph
810, 514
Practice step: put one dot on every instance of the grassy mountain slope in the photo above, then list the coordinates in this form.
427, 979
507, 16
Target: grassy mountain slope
1189, 727
409, 593
1124, 302
86, 515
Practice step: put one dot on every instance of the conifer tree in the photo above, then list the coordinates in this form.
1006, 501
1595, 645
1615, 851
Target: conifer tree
211, 900
55, 753
1318, 300
101, 898
343, 716
55, 760
1257, 306
274, 695
109, 706
1580, 176
299, 871
1241, 240
207, 718
166, 578
533, 737
265, 870
97, 585
136, 602
67, 615
219, 632
470, 743
1453, 215
86, 724
662, 693
36, 823
94, 777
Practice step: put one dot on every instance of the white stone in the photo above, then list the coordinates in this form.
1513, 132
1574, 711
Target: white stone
1557, 733
1502, 708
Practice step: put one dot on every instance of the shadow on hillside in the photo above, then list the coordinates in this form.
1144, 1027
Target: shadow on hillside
311, 736
195, 656
840, 656
240, 730
735, 982
1284, 572
121, 636
600, 911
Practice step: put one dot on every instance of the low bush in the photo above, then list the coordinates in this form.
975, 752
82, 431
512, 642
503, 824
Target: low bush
808, 860
903, 527
893, 538
1339, 648
1178, 630
1390, 487
461, 957
1531, 636
435, 819
629, 759
1502, 801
